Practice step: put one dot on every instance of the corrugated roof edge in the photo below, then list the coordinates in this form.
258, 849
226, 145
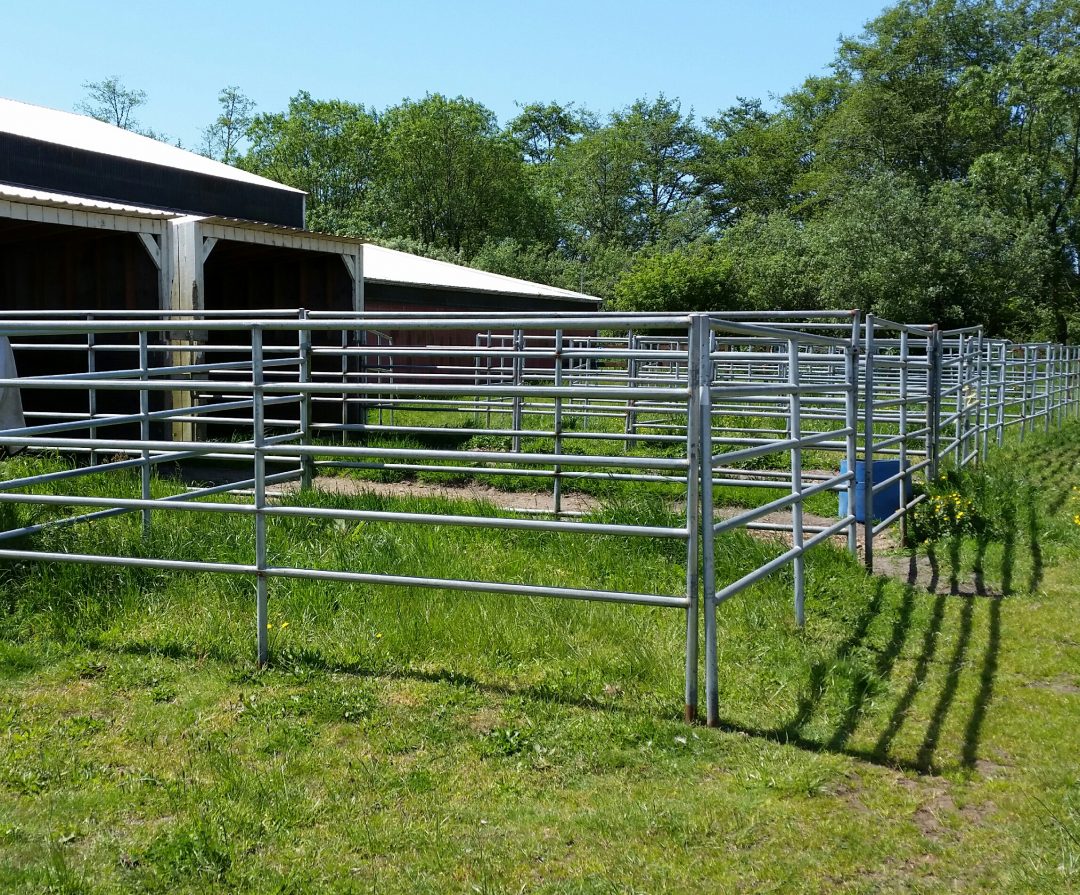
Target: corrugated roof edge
502, 284
80, 203
83, 132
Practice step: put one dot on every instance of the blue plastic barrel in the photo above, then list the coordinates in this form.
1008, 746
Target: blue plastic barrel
886, 501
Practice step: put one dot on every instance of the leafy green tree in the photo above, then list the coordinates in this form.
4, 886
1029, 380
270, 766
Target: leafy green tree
944, 256
696, 277
772, 265
110, 101
222, 138
594, 177
330, 149
665, 146
541, 129
451, 178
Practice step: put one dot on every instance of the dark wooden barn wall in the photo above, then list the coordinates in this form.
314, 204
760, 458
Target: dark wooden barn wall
51, 267
65, 169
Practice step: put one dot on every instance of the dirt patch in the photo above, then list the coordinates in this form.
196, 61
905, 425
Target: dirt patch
532, 501
1061, 684
930, 574
485, 721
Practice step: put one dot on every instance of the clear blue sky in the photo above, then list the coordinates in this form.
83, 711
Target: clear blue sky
600, 53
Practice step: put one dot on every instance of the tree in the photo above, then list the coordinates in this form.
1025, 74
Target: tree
540, 129
223, 137
665, 146
110, 101
751, 162
328, 148
451, 178
631, 182
697, 277
944, 256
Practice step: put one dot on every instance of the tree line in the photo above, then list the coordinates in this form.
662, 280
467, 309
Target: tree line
932, 175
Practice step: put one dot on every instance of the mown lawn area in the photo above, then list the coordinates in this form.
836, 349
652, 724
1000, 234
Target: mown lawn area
420, 741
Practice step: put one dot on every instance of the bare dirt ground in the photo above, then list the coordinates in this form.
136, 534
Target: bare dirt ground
534, 501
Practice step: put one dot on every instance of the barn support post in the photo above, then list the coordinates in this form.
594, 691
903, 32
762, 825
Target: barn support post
188, 251
353, 412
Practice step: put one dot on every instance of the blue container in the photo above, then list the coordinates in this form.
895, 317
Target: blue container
886, 501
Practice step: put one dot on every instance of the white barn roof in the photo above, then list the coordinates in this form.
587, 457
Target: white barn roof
394, 268
83, 132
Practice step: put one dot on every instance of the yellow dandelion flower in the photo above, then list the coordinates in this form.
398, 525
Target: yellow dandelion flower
284, 625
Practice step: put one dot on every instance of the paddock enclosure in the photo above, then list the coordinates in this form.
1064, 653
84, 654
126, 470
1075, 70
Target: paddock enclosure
681, 409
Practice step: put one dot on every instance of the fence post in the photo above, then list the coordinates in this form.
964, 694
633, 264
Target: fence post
518, 368
933, 399
851, 422
903, 483
556, 495
868, 445
630, 425
144, 425
795, 431
1002, 365
701, 346
307, 461
258, 439
91, 367
982, 411
693, 511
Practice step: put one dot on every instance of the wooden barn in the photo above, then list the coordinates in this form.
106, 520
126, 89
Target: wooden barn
96, 217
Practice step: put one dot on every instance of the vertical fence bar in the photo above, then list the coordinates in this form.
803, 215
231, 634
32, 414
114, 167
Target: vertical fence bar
1002, 361
795, 432
258, 414
307, 462
701, 346
556, 495
1047, 399
144, 425
933, 400
983, 410
694, 486
519, 369
868, 445
91, 392
903, 415
630, 426
851, 421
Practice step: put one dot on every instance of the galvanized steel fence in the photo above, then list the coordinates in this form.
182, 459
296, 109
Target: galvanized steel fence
684, 405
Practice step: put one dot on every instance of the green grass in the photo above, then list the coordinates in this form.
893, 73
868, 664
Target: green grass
421, 741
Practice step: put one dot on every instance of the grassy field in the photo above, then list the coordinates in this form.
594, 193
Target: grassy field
418, 741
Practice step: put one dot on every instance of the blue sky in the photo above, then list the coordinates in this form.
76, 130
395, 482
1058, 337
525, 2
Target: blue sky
600, 53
